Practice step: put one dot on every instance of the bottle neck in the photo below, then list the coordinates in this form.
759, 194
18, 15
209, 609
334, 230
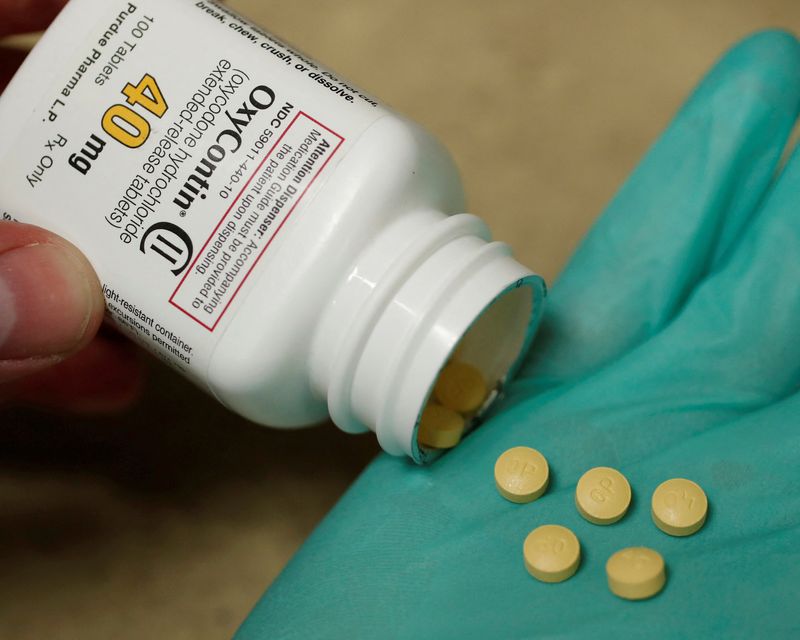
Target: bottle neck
410, 299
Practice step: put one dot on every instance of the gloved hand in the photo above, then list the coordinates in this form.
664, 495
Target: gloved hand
670, 348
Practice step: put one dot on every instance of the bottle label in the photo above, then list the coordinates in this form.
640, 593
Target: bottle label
173, 144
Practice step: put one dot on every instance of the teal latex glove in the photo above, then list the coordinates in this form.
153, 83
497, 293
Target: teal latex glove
670, 348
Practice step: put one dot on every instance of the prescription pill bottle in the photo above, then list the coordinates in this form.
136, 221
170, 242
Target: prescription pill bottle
261, 225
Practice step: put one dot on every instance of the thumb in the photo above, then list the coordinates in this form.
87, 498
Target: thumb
51, 303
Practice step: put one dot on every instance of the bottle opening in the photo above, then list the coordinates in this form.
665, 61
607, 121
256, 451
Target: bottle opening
472, 377
456, 312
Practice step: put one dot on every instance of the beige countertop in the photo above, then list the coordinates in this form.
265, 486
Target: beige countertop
171, 520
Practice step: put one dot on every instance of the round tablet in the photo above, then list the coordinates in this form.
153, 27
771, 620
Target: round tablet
636, 573
552, 553
521, 474
679, 507
460, 387
603, 495
440, 427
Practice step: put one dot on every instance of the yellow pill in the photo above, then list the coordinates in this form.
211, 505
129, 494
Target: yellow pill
679, 507
552, 553
603, 495
521, 474
440, 427
636, 573
460, 387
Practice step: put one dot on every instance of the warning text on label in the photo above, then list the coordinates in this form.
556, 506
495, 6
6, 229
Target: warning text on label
259, 211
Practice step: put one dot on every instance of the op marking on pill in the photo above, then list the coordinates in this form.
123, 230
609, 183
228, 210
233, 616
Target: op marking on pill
602, 495
521, 474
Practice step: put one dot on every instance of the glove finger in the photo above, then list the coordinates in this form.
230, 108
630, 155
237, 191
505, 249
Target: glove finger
736, 345
679, 213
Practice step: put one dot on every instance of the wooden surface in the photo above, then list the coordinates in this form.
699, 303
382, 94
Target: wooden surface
170, 521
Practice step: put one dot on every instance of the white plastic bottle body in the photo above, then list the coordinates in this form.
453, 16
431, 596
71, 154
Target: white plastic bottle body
264, 227
395, 173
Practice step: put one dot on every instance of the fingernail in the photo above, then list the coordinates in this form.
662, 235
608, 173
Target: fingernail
49, 300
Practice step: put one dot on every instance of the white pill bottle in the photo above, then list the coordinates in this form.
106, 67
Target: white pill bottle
270, 231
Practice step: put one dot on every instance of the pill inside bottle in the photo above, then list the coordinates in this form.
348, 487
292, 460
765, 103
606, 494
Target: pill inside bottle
473, 373
460, 387
440, 427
